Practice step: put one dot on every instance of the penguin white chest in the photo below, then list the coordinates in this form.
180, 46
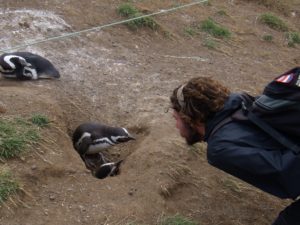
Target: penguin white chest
97, 147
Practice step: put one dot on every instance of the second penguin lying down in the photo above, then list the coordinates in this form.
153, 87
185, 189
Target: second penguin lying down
90, 139
27, 66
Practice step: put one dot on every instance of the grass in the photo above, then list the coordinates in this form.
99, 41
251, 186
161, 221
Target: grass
283, 6
129, 11
210, 44
8, 185
293, 38
222, 13
231, 185
273, 22
177, 220
268, 38
16, 135
190, 31
40, 120
214, 29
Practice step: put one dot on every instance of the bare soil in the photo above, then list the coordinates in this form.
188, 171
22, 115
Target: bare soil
124, 78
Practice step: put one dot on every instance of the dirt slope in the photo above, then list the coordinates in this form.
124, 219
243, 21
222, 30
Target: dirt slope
124, 78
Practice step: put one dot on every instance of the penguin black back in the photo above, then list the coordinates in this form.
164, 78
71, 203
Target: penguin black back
98, 136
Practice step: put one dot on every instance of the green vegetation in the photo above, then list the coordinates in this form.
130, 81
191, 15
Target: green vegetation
268, 38
222, 13
293, 38
40, 120
15, 136
273, 22
177, 220
207, 3
130, 11
283, 6
210, 44
215, 30
190, 31
8, 185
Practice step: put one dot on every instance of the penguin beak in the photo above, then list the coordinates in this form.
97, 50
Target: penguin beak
131, 137
117, 164
46, 76
125, 139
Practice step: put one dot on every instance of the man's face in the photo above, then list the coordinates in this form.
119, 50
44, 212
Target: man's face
191, 135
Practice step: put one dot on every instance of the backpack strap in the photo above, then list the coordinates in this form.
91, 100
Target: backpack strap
220, 124
270, 130
245, 113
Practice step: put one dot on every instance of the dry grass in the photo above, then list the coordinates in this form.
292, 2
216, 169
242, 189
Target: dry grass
8, 185
179, 175
283, 6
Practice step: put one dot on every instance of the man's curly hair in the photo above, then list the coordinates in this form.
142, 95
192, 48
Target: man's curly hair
200, 99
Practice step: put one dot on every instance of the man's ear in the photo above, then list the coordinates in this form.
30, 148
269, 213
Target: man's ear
200, 127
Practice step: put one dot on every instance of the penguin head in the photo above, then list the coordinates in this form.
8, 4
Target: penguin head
108, 169
45, 69
121, 135
49, 73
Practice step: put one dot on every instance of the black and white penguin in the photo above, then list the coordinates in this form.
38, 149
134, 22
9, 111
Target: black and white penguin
100, 166
107, 169
26, 66
93, 137
89, 139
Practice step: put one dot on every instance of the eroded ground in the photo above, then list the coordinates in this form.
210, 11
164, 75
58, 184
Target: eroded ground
123, 77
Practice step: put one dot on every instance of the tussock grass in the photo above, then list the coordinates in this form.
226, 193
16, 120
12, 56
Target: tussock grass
268, 38
8, 185
214, 29
210, 44
231, 185
177, 220
222, 13
293, 38
283, 6
273, 22
40, 120
190, 31
129, 11
15, 136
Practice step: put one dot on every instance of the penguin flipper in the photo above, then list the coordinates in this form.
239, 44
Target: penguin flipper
84, 146
23, 62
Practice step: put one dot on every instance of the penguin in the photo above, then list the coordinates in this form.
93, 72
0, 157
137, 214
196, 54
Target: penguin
90, 139
93, 137
27, 66
99, 166
108, 169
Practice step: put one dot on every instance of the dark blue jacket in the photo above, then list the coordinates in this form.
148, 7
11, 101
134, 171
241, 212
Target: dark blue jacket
245, 151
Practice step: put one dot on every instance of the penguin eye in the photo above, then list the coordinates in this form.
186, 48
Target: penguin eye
122, 139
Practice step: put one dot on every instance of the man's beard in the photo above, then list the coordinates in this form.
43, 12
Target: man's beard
193, 136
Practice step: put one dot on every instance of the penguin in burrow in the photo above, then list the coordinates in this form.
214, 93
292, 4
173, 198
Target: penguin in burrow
90, 139
27, 66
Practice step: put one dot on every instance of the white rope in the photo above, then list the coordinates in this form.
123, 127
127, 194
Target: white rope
77, 33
